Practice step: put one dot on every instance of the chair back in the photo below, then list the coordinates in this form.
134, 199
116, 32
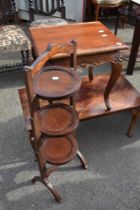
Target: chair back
46, 8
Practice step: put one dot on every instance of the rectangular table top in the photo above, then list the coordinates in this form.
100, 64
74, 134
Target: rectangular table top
91, 37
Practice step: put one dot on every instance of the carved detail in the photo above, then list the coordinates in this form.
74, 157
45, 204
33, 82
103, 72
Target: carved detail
118, 57
96, 60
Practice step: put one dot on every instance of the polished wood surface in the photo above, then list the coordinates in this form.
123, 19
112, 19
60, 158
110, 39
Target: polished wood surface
56, 82
135, 117
54, 150
58, 119
89, 100
53, 82
96, 45
58, 150
92, 38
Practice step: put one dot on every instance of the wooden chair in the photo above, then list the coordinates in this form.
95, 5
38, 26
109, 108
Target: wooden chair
12, 37
128, 14
51, 126
46, 11
104, 4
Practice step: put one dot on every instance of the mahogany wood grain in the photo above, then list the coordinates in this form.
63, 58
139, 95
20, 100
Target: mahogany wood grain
53, 82
58, 119
56, 82
54, 150
90, 102
92, 38
135, 117
96, 45
58, 150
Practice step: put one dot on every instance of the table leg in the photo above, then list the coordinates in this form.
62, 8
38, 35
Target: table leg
134, 48
135, 116
115, 73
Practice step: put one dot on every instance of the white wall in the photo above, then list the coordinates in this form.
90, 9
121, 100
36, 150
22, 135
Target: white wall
74, 9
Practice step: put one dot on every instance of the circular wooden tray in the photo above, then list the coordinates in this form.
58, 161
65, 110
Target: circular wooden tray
56, 82
58, 119
58, 150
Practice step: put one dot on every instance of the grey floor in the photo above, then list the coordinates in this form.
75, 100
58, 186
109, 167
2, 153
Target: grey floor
111, 182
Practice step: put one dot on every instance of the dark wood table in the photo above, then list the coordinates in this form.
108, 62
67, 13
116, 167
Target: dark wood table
135, 43
96, 45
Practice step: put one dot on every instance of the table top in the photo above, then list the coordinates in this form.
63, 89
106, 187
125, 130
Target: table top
91, 37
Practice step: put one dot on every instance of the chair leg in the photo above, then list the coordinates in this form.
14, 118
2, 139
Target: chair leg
135, 116
82, 160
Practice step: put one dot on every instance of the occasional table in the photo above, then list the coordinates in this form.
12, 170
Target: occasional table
96, 45
106, 93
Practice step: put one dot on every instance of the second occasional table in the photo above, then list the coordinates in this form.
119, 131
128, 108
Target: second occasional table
106, 93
